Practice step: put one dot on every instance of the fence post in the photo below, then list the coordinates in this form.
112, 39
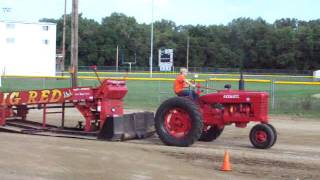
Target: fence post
43, 83
207, 85
273, 94
159, 92
212, 84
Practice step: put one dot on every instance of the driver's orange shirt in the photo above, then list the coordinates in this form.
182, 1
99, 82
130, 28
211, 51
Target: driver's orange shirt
179, 83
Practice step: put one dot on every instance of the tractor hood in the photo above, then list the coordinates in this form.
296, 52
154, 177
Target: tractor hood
235, 96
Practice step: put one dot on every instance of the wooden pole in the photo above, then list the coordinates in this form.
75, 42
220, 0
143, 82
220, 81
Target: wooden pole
74, 42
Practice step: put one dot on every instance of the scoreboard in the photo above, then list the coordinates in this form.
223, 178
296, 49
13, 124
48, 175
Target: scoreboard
165, 59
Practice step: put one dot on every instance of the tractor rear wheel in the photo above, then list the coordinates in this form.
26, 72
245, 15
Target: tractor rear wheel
262, 136
178, 122
212, 133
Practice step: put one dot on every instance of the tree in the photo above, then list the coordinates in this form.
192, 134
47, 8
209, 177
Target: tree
243, 43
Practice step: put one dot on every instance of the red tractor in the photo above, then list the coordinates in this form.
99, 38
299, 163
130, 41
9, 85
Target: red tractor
180, 121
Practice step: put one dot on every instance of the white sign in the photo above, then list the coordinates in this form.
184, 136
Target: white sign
316, 75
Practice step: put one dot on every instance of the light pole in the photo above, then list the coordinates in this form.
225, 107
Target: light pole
117, 59
188, 46
63, 39
151, 41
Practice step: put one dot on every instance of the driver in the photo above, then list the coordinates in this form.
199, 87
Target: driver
182, 85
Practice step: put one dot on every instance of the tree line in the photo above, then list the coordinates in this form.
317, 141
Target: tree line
243, 43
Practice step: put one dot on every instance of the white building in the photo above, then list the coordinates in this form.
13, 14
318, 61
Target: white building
27, 48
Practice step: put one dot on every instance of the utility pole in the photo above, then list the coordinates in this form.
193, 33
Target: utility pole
63, 39
117, 59
74, 42
151, 41
188, 46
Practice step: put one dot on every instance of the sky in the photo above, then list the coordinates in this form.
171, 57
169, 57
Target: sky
182, 12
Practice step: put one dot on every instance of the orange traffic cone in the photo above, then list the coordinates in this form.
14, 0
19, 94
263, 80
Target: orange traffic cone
226, 166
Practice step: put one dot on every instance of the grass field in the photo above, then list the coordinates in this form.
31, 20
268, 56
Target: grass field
289, 99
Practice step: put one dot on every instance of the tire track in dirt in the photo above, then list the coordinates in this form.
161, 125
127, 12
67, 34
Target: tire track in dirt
284, 161
252, 166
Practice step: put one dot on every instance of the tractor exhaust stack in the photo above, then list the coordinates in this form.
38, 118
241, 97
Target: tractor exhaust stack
241, 81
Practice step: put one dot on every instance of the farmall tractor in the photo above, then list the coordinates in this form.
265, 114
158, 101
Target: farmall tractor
180, 121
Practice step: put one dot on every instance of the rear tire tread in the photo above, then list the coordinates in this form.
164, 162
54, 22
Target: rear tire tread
210, 135
195, 116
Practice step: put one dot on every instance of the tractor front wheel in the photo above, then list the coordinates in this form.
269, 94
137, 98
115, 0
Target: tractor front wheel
262, 136
178, 122
275, 134
210, 133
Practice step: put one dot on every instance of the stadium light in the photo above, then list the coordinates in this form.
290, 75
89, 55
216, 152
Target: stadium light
151, 41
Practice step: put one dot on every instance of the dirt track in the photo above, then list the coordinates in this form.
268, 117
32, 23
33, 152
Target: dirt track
295, 156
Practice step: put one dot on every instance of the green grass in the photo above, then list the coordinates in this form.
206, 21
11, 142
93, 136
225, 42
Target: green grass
289, 99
